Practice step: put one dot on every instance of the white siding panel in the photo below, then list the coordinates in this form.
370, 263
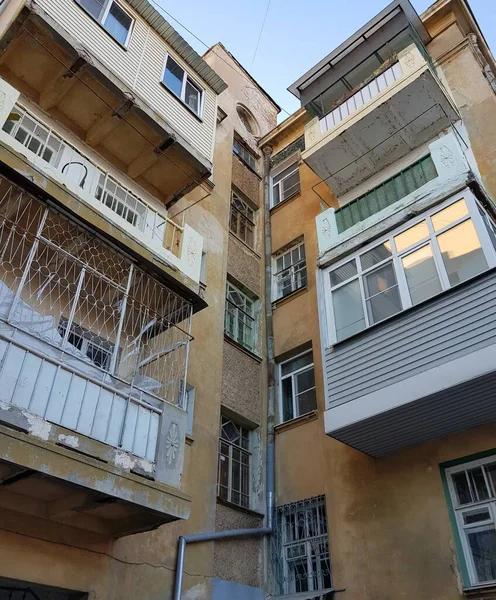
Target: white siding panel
9, 374
88, 408
70, 414
153, 436
130, 427
116, 420
102, 415
41, 394
27, 381
58, 396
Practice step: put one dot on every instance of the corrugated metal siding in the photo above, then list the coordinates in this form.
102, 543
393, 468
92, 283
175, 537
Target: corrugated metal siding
455, 324
143, 76
58, 395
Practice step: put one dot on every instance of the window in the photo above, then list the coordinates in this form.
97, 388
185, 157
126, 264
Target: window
244, 154
239, 317
242, 221
95, 347
180, 83
290, 270
473, 495
285, 184
248, 120
121, 201
297, 387
111, 16
234, 463
35, 136
302, 549
448, 246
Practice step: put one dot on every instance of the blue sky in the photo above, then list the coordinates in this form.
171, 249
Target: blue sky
296, 35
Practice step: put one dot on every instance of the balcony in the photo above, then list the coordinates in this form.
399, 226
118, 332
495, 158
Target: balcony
95, 183
411, 355
401, 108
110, 96
93, 352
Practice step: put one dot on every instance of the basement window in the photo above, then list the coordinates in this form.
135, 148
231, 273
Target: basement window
111, 16
181, 85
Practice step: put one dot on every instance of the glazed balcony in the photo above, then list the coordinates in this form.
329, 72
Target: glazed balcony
95, 183
93, 353
395, 112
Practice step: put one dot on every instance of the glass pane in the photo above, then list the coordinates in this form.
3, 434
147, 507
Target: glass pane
306, 402
476, 516
291, 185
94, 7
305, 380
284, 173
411, 236
382, 292
328, 99
192, 97
287, 399
343, 273
297, 363
376, 255
449, 215
348, 310
462, 253
421, 274
478, 483
462, 488
363, 71
118, 23
482, 543
491, 474
173, 76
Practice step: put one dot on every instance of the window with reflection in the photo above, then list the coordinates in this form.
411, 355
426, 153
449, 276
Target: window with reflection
473, 496
445, 247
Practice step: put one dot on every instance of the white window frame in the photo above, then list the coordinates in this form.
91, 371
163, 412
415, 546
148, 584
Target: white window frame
396, 258
297, 271
102, 18
279, 185
247, 452
248, 216
460, 510
240, 314
192, 81
292, 376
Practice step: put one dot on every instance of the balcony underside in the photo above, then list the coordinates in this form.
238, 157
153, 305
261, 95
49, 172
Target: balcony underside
381, 133
42, 483
457, 408
50, 68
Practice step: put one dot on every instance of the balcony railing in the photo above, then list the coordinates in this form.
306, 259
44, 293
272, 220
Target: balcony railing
75, 166
88, 340
365, 94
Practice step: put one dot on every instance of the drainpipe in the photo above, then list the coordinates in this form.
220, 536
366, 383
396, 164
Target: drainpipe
270, 454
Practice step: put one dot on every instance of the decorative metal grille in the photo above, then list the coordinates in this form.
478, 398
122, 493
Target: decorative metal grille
63, 285
301, 550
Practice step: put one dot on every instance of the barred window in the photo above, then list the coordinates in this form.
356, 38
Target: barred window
290, 270
239, 317
234, 463
302, 549
242, 222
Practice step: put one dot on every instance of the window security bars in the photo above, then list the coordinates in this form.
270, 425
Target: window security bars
443, 248
111, 16
301, 549
286, 184
297, 386
242, 220
473, 494
38, 137
244, 154
180, 83
392, 190
239, 317
64, 286
291, 271
234, 463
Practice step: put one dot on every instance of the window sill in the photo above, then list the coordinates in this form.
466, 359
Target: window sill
485, 592
245, 164
237, 345
306, 418
116, 41
182, 102
289, 297
247, 511
238, 239
274, 209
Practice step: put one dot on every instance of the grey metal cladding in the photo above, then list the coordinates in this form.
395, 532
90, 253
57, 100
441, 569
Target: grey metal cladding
454, 324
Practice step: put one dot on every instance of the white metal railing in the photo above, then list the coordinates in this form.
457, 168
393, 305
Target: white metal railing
361, 97
75, 166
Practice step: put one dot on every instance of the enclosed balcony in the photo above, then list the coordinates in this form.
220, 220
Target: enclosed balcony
110, 91
411, 335
93, 353
398, 110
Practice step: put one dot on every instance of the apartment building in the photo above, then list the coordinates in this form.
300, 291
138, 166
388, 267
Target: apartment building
382, 218
131, 342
